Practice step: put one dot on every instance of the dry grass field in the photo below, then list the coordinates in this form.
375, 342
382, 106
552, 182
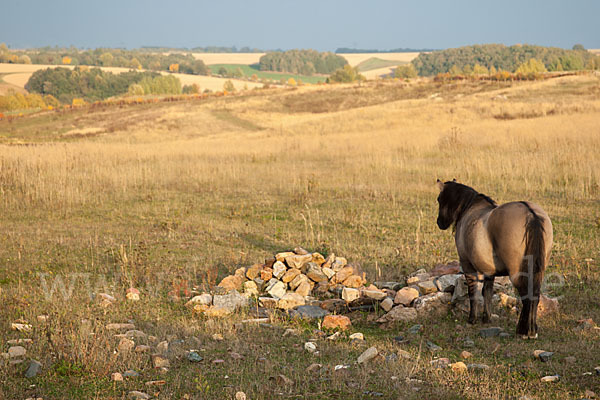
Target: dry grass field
149, 195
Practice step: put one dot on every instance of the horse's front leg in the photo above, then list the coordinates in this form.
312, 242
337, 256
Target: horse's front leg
472, 281
488, 291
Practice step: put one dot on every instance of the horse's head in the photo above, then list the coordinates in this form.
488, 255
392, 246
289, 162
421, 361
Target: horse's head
449, 204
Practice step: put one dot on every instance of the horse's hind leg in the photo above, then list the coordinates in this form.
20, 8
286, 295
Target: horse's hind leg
488, 291
529, 291
472, 290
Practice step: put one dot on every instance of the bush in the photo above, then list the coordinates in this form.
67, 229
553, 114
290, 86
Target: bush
405, 71
346, 74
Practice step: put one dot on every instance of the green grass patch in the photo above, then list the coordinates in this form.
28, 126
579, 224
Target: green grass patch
276, 77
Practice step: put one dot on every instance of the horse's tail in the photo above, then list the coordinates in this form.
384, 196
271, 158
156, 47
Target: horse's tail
532, 273
535, 247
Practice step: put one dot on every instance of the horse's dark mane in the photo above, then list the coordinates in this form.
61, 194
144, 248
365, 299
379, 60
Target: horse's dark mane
463, 197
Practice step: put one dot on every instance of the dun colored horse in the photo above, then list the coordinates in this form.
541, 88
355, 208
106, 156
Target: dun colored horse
513, 239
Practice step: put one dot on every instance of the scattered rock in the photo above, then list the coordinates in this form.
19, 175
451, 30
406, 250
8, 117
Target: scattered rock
116, 377
16, 351
477, 367
130, 374
303, 289
543, 355
389, 285
276, 289
459, 367
507, 301
547, 306
310, 312
550, 378
374, 294
282, 256
357, 336
253, 271
310, 347
250, 288
105, 299
350, 294
21, 327
156, 383
266, 274
440, 363
193, 356
142, 348
279, 269
387, 304
267, 302
290, 300
399, 313
240, 396
159, 361
465, 355
125, 345
290, 275
415, 329
217, 311
231, 301
433, 347
406, 295
446, 283
368, 355
427, 287
343, 274
42, 318
119, 327
354, 281
34, 369
468, 343
490, 332
315, 273
134, 394
231, 282
434, 302
312, 368
298, 261
446, 269
336, 321
204, 299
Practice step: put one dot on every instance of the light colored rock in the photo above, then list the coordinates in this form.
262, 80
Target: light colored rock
329, 262
446, 283
354, 281
507, 301
427, 287
399, 313
204, 299
343, 274
290, 274
413, 280
406, 295
253, 271
547, 306
105, 299
356, 336
374, 294
217, 311
318, 258
350, 294
230, 301
550, 378
328, 272
298, 261
42, 318
440, 363
290, 300
310, 347
368, 355
159, 361
126, 345
460, 290
116, 377
251, 288
459, 367
294, 283
387, 304
16, 351
267, 302
134, 333
304, 289
276, 289
266, 274
132, 294
465, 355
312, 368
142, 348
137, 395
336, 322
279, 269
240, 396
315, 273
282, 256
231, 282
435, 302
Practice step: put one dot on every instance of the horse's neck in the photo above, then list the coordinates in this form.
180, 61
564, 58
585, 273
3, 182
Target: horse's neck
476, 211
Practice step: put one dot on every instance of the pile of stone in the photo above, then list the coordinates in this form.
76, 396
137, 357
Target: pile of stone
296, 278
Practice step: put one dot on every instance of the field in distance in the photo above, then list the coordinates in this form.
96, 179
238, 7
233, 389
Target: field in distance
157, 196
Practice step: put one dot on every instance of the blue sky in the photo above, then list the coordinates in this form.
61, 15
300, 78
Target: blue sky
286, 24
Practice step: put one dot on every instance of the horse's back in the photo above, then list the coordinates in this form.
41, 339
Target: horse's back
507, 228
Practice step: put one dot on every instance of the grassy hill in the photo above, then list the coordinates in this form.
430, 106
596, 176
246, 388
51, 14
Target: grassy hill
179, 194
249, 70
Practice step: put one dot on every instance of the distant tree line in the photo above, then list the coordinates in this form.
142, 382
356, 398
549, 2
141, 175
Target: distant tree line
135, 59
206, 49
498, 57
346, 50
18, 101
92, 84
303, 62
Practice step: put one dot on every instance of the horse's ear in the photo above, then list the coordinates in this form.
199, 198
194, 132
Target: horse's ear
454, 180
440, 185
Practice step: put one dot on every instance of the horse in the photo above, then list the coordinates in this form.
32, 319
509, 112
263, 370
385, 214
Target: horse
513, 239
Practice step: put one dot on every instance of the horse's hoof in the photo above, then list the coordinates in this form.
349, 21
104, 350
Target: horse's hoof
534, 336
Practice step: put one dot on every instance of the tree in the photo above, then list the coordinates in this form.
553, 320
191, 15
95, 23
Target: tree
578, 47
66, 60
407, 71
194, 88
346, 74
480, 70
174, 67
531, 69
106, 59
455, 71
228, 86
222, 71
291, 82
135, 89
